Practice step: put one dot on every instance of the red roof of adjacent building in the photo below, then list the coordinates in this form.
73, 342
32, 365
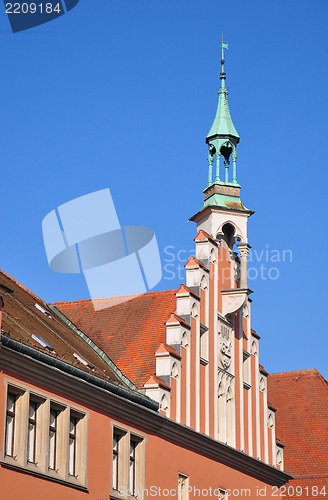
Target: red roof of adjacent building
129, 332
26, 318
301, 399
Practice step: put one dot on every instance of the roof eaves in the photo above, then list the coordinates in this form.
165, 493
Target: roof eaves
71, 370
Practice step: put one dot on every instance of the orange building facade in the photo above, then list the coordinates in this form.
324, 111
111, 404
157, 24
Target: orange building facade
89, 408
155, 395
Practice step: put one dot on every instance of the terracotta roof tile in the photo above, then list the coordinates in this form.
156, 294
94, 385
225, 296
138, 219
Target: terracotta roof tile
192, 261
165, 348
253, 332
153, 380
174, 318
129, 332
301, 399
185, 289
262, 370
203, 235
28, 324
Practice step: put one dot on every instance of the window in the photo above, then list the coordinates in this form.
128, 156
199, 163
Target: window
246, 369
222, 494
128, 464
183, 482
203, 342
132, 466
54, 436
116, 439
10, 424
72, 445
31, 433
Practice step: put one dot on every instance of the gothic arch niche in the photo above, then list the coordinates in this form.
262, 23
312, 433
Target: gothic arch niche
262, 385
246, 311
175, 371
230, 417
213, 256
204, 287
279, 458
164, 404
194, 310
222, 420
203, 283
185, 340
254, 348
270, 421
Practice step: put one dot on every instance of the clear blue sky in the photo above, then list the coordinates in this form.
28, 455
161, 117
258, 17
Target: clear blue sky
121, 94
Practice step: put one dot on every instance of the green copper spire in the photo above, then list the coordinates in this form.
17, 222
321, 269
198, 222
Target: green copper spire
222, 197
223, 138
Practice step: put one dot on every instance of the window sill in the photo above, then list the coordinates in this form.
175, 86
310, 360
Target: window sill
34, 471
116, 495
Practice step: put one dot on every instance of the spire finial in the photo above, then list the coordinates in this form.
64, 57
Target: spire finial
223, 46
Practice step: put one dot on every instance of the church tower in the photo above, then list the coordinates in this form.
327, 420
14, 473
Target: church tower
223, 214
208, 375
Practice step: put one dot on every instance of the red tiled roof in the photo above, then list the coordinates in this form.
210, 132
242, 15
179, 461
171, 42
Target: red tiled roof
24, 322
165, 348
203, 235
192, 261
153, 380
129, 332
255, 334
185, 289
174, 318
308, 488
263, 370
301, 399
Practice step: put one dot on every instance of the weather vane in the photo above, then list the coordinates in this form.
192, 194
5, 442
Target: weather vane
223, 46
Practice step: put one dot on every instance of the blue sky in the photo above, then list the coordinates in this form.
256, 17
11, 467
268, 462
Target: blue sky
121, 94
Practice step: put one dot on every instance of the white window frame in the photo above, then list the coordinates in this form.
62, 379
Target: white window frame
123, 462
183, 484
20, 458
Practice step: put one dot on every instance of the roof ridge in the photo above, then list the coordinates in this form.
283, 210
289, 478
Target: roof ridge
304, 370
113, 297
322, 379
22, 286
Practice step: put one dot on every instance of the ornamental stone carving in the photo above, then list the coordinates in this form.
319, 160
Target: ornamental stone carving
233, 300
225, 347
